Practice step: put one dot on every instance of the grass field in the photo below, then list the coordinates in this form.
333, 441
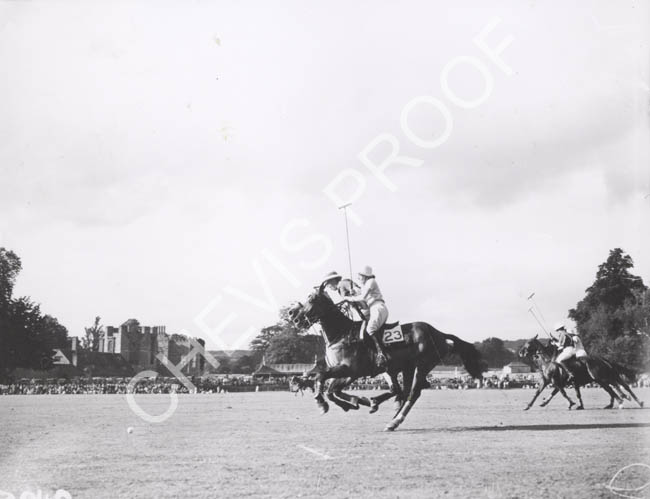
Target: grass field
476, 443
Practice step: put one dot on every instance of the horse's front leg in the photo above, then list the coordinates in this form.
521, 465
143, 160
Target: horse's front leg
336, 395
546, 401
560, 389
540, 389
336, 372
321, 376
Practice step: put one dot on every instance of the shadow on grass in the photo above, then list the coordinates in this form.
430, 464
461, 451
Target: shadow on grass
535, 427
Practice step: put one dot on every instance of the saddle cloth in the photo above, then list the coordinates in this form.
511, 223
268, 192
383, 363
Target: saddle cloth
391, 333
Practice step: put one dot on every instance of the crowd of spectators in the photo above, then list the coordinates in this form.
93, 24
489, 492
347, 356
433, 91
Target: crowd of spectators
229, 383
121, 385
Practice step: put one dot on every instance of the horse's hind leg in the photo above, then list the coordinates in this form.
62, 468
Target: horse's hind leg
395, 391
581, 406
627, 387
419, 381
619, 392
611, 393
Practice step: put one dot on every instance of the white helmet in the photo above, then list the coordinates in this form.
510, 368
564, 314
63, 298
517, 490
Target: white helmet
366, 271
332, 276
559, 326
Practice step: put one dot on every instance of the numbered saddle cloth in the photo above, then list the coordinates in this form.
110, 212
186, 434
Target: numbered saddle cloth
392, 334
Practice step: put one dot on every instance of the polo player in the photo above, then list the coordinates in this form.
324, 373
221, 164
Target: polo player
569, 346
371, 296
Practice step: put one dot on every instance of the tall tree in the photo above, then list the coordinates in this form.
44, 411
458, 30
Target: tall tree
27, 338
283, 342
10, 267
612, 317
494, 352
614, 285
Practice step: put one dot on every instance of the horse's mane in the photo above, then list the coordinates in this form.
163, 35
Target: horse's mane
340, 322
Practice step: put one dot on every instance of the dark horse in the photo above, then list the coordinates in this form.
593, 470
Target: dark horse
418, 349
297, 384
608, 375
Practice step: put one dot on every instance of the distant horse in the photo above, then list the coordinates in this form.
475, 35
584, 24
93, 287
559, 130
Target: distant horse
413, 349
607, 375
297, 384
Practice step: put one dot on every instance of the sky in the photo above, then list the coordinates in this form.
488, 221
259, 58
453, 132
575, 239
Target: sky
171, 163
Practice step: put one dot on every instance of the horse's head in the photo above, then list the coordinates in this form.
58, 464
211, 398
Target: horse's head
296, 314
530, 348
317, 306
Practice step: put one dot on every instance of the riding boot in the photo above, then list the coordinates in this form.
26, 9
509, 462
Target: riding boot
381, 356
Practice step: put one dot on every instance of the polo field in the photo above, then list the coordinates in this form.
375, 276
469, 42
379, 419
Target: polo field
458, 443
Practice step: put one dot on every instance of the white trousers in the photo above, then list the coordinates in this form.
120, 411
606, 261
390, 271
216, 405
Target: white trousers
566, 354
378, 316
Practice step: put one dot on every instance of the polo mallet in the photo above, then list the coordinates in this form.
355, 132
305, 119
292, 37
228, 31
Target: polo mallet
539, 311
347, 235
538, 322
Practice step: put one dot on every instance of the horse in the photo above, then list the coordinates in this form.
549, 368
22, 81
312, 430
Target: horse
414, 349
607, 375
300, 385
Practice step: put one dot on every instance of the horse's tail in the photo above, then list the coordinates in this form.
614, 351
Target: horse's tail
468, 353
628, 373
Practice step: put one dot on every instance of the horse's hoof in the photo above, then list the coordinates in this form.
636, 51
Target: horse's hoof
641, 404
526, 408
394, 424
373, 407
608, 406
323, 408
580, 408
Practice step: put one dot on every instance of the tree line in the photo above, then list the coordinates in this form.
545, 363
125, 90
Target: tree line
613, 320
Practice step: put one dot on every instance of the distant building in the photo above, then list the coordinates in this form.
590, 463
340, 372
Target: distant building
445, 372
517, 368
280, 370
72, 362
140, 346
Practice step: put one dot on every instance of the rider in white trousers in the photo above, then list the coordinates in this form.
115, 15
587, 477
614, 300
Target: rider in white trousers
370, 294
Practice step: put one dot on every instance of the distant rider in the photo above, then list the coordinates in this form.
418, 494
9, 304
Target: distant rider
371, 296
569, 345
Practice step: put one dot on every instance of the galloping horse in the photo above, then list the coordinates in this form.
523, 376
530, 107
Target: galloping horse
418, 348
608, 375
